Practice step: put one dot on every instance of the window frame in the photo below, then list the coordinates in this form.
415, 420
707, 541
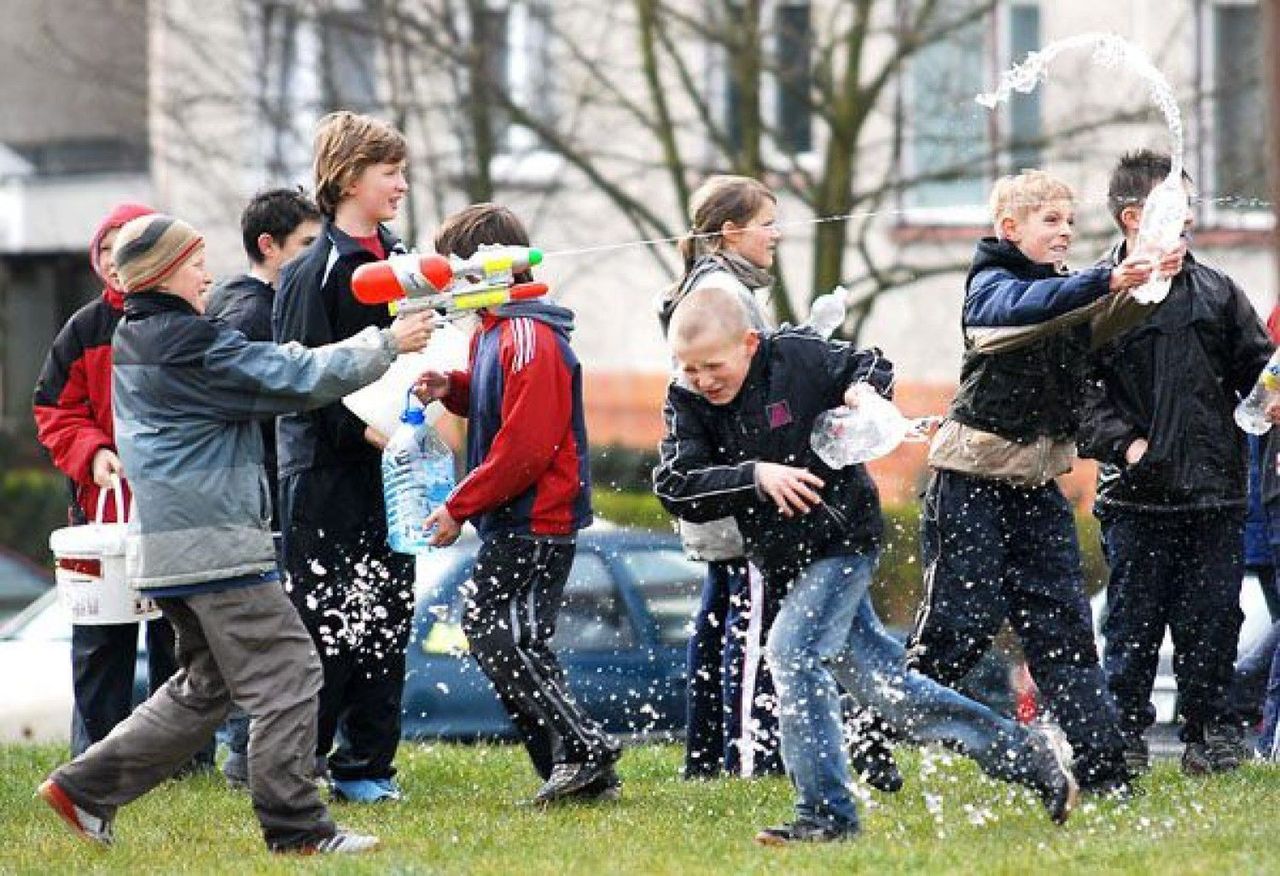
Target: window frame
1205, 154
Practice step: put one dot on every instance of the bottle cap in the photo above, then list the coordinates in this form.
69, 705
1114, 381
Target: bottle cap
412, 414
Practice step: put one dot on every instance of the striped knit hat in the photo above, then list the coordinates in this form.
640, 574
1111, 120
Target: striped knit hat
149, 249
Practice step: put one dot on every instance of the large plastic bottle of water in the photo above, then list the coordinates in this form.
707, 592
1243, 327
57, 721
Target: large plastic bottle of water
827, 312
417, 476
1163, 218
1251, 413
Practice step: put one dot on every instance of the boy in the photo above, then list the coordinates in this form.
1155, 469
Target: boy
354, 593
738, 420
527, 492
186, 394
997, 537
1171, 491
275, 226
72, 407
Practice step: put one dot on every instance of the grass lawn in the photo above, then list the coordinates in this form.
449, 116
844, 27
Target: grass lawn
462, 816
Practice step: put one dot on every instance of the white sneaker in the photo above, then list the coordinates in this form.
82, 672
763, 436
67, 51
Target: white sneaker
344, 842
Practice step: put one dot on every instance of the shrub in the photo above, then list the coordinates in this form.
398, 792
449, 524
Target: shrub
33, 503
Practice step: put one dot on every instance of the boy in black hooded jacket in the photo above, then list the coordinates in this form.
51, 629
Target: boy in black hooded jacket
1171, 490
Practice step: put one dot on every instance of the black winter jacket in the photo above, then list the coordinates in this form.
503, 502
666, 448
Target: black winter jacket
314, 305
1175, 380
709, 453
244, 303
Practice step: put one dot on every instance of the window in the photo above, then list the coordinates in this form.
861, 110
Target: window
592, 617
307, 67
788, 36
672, 589
952, 140
517, 37
1234, 148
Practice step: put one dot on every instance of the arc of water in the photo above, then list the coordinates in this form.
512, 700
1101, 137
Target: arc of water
1109, 50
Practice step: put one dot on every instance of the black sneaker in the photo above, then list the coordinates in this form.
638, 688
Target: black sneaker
570, 778
1047, 773
801, 831
1137, 755
1195, 760
606, 789
1225, 746
871, 758
1118, 787
343, 842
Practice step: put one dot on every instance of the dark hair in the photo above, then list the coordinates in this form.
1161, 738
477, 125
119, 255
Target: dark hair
465, 231
721, 198
276, 212
1134, 176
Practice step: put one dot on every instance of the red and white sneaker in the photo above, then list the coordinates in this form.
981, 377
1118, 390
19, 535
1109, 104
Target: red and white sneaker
84, 824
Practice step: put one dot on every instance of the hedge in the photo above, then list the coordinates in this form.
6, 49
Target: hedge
897, 587
33, 503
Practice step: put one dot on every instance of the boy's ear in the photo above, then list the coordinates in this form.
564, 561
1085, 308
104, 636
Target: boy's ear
1131, 218
1008, 227
267, 245
752, 341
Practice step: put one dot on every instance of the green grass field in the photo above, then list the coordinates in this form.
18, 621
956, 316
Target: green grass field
462, 815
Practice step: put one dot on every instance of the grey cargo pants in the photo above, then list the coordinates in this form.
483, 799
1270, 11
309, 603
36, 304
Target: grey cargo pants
245, 644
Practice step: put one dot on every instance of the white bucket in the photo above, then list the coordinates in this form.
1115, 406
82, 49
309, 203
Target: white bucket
89, 570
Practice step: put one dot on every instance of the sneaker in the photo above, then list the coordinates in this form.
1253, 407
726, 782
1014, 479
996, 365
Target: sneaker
606, 789
804, 831
1195, 759
344, 842
1225, 747
1119, 787
364, 790
570, 778
84, 824
1048, 774
1137, 755
871, 758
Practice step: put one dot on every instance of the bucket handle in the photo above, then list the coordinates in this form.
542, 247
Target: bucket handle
117, 489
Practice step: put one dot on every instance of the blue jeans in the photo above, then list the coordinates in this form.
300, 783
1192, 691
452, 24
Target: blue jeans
828, 632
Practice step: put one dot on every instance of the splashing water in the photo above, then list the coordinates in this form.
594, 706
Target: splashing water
1166, 206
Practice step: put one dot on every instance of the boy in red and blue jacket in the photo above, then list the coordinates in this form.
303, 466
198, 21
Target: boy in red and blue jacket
527, 492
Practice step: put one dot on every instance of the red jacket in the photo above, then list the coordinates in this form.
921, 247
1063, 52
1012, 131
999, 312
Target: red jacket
72, 400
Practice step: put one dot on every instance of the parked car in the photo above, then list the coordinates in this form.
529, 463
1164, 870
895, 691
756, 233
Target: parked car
621, 636
35, 673
1164, 692
21, 583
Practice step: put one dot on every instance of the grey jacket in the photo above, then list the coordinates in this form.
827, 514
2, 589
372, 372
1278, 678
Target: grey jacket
187, 393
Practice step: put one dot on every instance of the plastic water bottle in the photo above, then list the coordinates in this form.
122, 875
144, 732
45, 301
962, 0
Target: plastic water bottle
846, 436
828, 311
1251, 413
417, 476
1163, 218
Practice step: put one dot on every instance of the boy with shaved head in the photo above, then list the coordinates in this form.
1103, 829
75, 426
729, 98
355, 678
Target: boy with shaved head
738, 418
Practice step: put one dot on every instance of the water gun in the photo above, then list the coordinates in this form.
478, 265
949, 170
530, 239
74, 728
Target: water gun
452, 286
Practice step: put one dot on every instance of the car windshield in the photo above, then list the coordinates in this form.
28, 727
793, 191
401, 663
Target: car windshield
671, 586
45, 620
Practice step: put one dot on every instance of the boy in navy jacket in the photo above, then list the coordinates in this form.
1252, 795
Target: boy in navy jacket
738, 421
997, 536
527, 492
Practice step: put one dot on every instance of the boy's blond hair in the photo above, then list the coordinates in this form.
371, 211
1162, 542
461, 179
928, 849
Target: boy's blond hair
346, 143
1017, 196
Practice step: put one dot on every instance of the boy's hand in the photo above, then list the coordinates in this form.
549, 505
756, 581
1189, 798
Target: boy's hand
430, 386
412, 332
106, 466
447, 529
1131, 272
374, 437
1171, 262
1272, 412
1135, 451
794, 490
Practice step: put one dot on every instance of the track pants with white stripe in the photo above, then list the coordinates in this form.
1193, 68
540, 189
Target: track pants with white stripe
509, 620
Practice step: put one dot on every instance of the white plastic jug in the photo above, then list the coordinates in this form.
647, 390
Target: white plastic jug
380, 403
89, 569
845, 436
